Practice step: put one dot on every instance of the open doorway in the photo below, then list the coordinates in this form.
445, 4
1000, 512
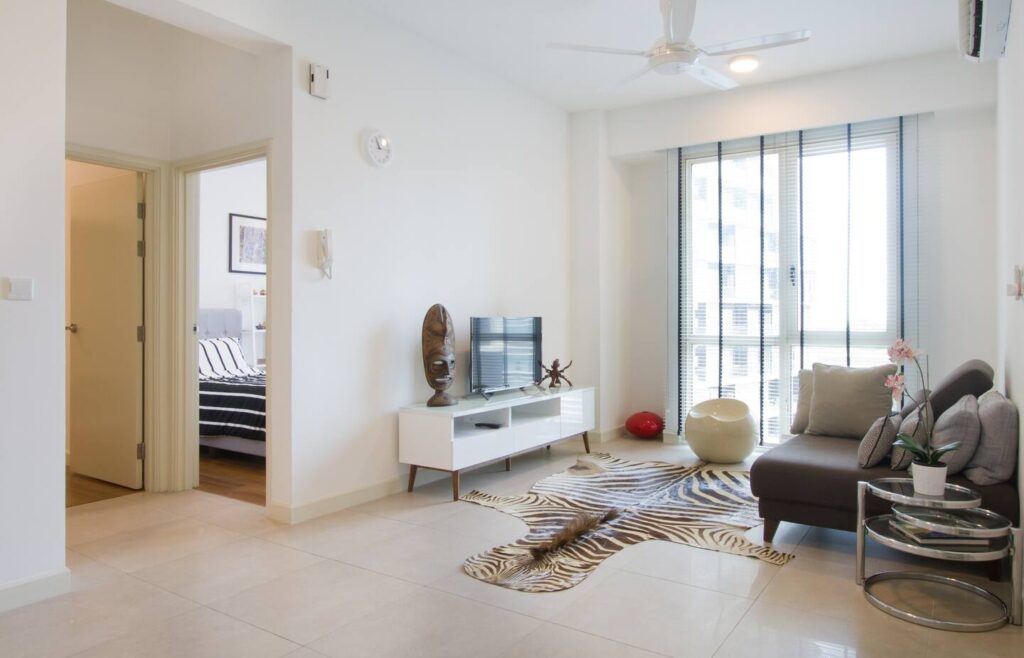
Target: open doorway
104, 331
230, 215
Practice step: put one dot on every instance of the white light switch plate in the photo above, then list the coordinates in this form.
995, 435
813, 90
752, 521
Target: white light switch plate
319, 81
20, 289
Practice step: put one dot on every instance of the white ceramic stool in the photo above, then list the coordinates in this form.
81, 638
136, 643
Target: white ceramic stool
721, 431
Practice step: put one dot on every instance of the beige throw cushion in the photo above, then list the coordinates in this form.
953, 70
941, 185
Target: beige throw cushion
877, 443
803, 403
996, 457
958, 423
846, 401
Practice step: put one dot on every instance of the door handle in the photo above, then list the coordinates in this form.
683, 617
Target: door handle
73, 328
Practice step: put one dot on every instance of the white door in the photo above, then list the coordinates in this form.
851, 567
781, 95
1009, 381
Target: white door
105, 311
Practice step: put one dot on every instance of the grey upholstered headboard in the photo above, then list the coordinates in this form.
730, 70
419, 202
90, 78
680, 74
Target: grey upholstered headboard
219, 322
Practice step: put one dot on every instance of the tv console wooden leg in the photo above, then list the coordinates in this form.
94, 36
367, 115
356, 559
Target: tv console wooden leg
508, 463
770, 526
455, 485
586, 442
412, 477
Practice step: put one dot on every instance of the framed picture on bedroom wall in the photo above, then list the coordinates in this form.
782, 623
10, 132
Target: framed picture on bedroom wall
247, 244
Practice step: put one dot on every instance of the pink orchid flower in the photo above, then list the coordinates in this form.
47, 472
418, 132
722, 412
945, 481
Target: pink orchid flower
896, 384
901, 351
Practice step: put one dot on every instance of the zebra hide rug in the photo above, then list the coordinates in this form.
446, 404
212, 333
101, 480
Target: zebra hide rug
622, 503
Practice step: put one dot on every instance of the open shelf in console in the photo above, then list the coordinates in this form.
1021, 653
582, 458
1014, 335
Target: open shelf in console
541, 409
465, 426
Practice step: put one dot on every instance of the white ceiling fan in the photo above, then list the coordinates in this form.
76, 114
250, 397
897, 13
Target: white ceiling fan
675, 53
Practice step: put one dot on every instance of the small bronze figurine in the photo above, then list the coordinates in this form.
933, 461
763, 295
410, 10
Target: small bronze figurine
556, 373
439, 354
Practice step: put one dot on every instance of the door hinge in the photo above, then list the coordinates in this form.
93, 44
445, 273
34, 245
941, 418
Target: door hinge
141, 248
140, 333
140, 450
140, 210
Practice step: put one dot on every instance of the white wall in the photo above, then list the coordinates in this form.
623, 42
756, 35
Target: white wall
141, 87
599, 270
240, 189
649, 189
32, 333
959, 281
472, 213
1010, 175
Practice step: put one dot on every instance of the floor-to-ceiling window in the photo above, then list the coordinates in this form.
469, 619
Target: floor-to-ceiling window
790, 251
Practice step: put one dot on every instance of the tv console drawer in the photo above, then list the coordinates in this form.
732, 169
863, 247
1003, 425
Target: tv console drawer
532, 432
483, 446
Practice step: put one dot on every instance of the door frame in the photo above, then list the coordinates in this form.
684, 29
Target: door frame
156, 304
185, 449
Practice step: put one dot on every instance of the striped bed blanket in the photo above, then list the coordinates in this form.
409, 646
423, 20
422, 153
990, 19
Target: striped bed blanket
234, 406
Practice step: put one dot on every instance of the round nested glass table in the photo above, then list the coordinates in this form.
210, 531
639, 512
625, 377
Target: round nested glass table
948, 527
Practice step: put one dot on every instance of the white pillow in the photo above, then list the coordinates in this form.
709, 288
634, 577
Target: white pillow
847, 401
222, 357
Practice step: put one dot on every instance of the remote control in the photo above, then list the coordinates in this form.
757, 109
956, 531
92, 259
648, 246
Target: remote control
490, 426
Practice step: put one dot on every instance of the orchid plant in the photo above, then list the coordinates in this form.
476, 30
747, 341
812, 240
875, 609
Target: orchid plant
902, 353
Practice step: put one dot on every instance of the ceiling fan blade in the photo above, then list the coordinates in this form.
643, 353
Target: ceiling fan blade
596, 49
758, 43
677, 17
711, 77
630, 78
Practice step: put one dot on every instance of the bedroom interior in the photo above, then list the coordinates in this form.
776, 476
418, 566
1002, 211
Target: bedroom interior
231, 330
775, 281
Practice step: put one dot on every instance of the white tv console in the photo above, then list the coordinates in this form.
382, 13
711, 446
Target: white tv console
447, 438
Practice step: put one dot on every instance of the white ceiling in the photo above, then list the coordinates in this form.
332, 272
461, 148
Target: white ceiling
508, 38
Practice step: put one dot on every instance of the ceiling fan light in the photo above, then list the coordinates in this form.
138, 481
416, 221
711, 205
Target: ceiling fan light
744, 63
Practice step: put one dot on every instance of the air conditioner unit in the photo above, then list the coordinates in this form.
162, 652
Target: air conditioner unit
983, 26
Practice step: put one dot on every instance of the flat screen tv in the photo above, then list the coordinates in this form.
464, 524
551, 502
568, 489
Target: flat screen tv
504, 353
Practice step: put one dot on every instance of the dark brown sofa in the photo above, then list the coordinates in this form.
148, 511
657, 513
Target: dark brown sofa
813, 479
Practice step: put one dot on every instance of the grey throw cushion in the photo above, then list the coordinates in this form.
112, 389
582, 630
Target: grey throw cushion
996, 457
846, 401
803, 403
911, 425
958, 423
877, 443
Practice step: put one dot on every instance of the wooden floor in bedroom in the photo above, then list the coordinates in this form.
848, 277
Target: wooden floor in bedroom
242, 477
79, 489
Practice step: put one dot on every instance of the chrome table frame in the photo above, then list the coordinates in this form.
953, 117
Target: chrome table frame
1011, 546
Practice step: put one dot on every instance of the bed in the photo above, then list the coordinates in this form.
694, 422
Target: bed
232, 393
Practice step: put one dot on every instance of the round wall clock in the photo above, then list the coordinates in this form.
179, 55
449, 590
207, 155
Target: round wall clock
379, 148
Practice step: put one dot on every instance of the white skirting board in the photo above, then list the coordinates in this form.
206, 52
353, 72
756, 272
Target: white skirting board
35, 589
332, 504
607, 435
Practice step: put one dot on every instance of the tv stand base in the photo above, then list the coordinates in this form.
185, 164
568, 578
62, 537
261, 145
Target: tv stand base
454, 439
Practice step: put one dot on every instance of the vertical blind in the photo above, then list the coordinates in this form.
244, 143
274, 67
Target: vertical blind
791, 249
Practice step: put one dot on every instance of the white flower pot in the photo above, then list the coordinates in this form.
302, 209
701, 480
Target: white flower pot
929, 480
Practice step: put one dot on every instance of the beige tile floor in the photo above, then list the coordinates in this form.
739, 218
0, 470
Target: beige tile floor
194, 575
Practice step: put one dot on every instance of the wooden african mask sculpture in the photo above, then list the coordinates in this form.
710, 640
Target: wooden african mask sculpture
439, 354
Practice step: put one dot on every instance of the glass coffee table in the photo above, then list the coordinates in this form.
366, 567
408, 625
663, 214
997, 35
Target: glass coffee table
957, 513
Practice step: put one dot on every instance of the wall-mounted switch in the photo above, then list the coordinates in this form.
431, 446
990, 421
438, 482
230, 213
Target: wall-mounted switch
319, 81
20, 289
1016, 287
